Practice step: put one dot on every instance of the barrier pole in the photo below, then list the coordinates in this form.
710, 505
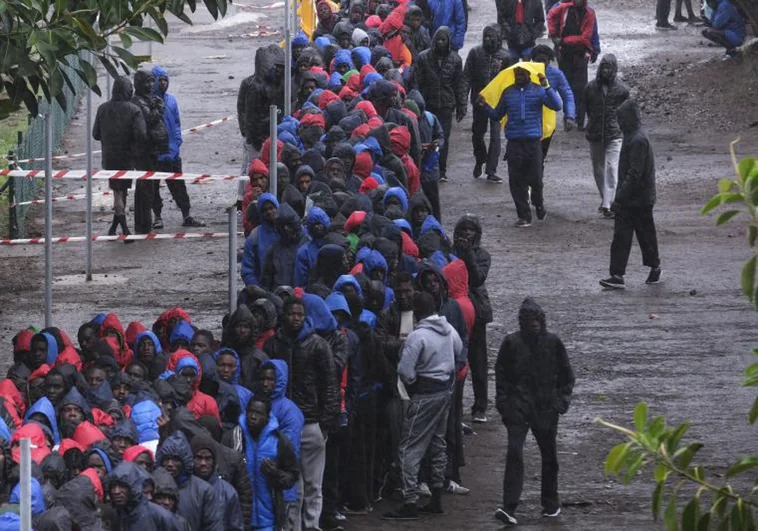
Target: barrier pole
26, 485
49, 217
232, 259
272, 169
88, 134
287, 59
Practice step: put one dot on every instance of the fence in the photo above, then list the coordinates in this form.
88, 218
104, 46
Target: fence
32, 146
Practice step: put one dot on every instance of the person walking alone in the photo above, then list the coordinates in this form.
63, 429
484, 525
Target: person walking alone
534, 382
603, 96
635, 198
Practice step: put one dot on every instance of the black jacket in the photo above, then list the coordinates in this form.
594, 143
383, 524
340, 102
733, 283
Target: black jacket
439, 78
636, 177
482, 65
242, 101
603, 105
477, 262
520, 36
260, 94
156, 140
120, 127
533, 376
313, 382
279, 264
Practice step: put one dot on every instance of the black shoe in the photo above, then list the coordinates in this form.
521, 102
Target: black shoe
114, 226
523, 223
477, 170
551, 513
124, 227
506, 517
665, 26
655, 276
541, 213
331, 524
613, 282
608, 213
492, 178
600, 209
408, 511
189, 221
435, 505
158, 224
680, 18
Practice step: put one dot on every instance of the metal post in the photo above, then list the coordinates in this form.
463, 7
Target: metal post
11, 182
88, 135
287, 59
272, 169
232, 259
26, 485
48, 217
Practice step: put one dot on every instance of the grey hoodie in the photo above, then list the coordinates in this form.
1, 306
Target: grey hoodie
431, 352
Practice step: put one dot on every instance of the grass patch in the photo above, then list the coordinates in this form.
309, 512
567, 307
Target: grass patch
9, 128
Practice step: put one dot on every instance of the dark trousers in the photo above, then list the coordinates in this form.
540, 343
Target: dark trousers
431, 189
359, 490
631, 221
545, 149
178, 189
477, 359
662, 11
513, 481
483, 155
574, 68
144, 191
445, 117
717, 36
688, 5
389, 426
334, 471
454, 435
524, 171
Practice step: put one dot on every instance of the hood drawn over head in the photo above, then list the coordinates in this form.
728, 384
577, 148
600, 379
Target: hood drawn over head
123, 90
608, 59
530, 310
456, 275
470, 220
282, 377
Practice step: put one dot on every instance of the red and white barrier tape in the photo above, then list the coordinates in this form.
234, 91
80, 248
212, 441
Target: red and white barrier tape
123, 175
81, 155
72, 197
131, 237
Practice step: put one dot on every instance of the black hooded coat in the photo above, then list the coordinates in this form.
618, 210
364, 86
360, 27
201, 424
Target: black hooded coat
483, 64
636, 184
477, 262
439, 77
602, 102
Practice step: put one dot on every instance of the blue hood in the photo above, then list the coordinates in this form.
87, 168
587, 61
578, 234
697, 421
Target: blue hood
301, 39
321, 43
348, 279
335, 81
317, 215
5, 431
398, 193
99, 319
288, 124
266, 198
431, 223
158, 71
145, 416
291, 138
52, 348
404, 226
75, 397
343, 58
182, 331
38, 497
336, 301
368, 317
185, 362
152, 337
373, 145
371, 78
364, 54
237, 368
103, 455
45, 407
282, 377
362, 254
374, 261
318, 312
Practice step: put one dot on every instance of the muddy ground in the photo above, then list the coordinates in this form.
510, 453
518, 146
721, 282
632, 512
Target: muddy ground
681, 345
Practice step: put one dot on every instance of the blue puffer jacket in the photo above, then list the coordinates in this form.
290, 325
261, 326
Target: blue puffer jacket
258, 243
343, 58
145, 416
727, 19
348, 280
266, 447
243, 393
170, 117
287, 414
38, 497
308, 252
43, 406
558, 81
449, 13
400, 195
523, 106
431, 223
182, 331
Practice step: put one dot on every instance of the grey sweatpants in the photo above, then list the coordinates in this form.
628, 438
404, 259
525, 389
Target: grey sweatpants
312, 461
605, 167
424, 430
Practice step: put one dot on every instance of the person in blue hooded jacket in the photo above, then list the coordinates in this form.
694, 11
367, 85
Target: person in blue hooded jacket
149, 352
44, 350
396, 196
10, 519
727, 26
229, 370
145, 415
299, 43
171, 161
375, 267
43, 412
317, 224
271, 464
343, 62
449, 13
197, 500
279, 263
181, 335
260, 240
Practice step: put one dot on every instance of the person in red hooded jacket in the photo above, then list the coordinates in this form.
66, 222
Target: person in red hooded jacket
183, 363
22, 345
40, 448
456, 275
401, 145
112, 327
258, 183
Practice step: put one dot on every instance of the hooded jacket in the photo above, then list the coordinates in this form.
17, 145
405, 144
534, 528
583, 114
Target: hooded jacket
306, 255
112, 324
152, 110
636, 177
533, 375
439, 77
80, 500
145, 416
477, 261
120, 127
448, 308
226, 496
449, 13
288, 415
182, 331
171, 118
603, 105
456, 275
482, 64
197, 501
430, 130
244, 394
726, 18
279, 263
521, 36
158, 364
258, 243
200, 404
44, 407
261, 92
401, 142
74, 397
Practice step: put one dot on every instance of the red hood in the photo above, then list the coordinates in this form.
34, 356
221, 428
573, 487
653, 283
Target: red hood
257, 167
409, 246
394, 21
409, 113
39, 445
368, 184
131, 453
401, 140
64, 337
266, 152
361, 131
456, 275
69, 444
41, 372
134, 328
317, 119
325, 99
375, 122
345, 93
178, 355
354, 83
366, 70
97, 484
374, 21
123, 354
355, 220
70, 356
87, 434
395, 46
112, 322
22, 342
102, 419
363, 165
11, 394
368, 108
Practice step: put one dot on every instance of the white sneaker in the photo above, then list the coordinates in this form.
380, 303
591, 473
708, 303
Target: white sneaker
555, 514
424, 490
505, 518
454, 488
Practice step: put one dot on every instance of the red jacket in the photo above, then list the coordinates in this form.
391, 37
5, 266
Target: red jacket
200, 404
123, 354
556, 21
70, 356
401, 145
256, 167
456, 275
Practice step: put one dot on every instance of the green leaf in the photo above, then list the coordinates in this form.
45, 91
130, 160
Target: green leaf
669, 517
712, 203
126, 57
725, 185
744, 168
640, 416
657, 428
660, 473
752, 233
704, 524
733, 198
753, 411
144, 34
737, 518
616, 457
748, 278
685, 455
676, 436
633, 467
691, 515
743, 464
212, 8
699, 473
726, 216
109, 67
658, 499
126, 40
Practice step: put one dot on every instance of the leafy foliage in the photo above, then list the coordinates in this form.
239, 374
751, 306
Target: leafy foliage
38, 36
655, 444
